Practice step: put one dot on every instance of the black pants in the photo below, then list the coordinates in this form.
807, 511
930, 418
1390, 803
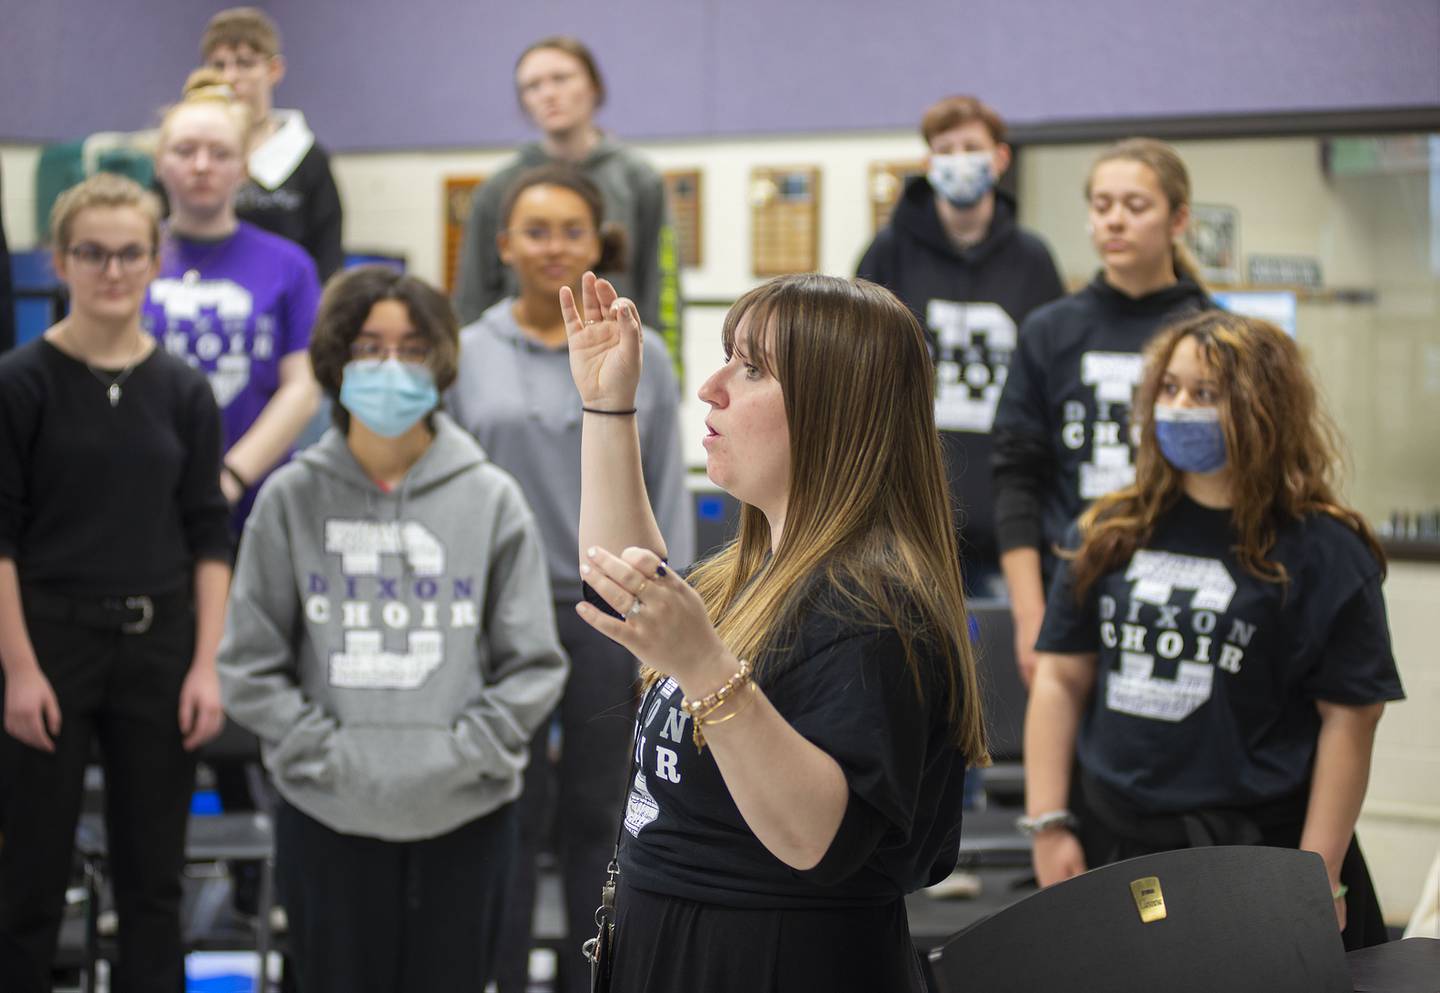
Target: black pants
374, 916
586, 792
125, 690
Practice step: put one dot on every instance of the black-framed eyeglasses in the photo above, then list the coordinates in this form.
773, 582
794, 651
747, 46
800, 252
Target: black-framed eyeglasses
409, 352
94, 258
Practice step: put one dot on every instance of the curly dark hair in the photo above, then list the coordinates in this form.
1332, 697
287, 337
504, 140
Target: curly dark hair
348, 300
1284, 451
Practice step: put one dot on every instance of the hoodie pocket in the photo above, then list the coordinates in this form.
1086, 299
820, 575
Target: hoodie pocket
400, 767
305, 756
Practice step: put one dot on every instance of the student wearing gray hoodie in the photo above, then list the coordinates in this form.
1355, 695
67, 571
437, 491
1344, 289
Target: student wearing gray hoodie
515, 394
560, 88
390, 639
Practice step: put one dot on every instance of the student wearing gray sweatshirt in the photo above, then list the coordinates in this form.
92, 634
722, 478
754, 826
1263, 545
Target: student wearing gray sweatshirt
559, 86
516, 395
391, 641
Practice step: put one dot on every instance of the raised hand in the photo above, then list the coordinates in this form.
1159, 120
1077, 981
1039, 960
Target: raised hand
605, 344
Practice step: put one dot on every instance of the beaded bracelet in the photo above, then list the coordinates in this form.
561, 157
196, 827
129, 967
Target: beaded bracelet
699, 720
707, 705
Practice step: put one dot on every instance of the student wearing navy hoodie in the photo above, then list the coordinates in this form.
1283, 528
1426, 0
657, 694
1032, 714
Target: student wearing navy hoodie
1063, 436
955, 256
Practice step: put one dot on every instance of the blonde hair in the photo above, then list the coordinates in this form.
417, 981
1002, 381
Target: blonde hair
1174, 180
208, 86
869, 513
104, 189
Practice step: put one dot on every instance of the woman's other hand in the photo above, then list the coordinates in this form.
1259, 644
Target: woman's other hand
666, 625
201, 716
604, 338
32, 711
1057, 856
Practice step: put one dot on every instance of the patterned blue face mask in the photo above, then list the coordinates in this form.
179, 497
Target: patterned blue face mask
389, 396
1191, 438
963, 178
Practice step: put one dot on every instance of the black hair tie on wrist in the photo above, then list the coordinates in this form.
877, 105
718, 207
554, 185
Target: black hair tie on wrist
612, 413
239, 480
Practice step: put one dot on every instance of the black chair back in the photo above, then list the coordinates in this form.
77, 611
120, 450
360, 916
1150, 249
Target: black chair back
1200, 920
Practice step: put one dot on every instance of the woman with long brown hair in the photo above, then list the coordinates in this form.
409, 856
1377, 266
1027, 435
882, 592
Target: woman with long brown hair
811, 702
1215, 655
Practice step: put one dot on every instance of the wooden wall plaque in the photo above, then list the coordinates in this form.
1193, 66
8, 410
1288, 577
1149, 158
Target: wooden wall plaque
785, 219
887, 180
683, 188
456, 214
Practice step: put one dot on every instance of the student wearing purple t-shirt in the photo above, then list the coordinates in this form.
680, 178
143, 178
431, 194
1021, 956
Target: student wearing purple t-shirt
236, 301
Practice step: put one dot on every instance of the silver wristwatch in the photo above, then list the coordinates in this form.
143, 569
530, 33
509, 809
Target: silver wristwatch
1043, 822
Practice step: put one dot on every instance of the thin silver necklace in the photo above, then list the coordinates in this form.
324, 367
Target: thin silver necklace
195, 271
113, 383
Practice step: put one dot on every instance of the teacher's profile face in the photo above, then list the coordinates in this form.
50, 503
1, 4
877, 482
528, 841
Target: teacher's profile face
747, 433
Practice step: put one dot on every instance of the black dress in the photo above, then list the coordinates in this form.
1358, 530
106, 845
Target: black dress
703, 905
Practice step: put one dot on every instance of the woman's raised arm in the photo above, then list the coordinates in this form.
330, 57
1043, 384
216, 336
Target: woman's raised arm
605, 355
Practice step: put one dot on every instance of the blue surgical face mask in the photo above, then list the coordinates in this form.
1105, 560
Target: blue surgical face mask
963, 178
389, 396
1191, 438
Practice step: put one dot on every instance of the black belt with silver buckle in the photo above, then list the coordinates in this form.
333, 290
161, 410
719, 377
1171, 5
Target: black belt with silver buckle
127, 614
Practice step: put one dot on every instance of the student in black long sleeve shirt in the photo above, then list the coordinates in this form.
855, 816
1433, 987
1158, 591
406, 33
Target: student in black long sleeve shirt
114, 564
1062, 432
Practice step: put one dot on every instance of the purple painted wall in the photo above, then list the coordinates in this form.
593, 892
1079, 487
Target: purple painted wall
380, 74
72, 67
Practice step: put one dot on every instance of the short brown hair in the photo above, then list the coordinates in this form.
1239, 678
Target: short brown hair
236, 26
578, 50
955, 111
104, 189
348, 300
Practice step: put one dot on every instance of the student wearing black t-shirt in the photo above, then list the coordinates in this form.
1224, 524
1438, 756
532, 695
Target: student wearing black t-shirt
1215, 655
1062, 433
782, 806
114, 564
